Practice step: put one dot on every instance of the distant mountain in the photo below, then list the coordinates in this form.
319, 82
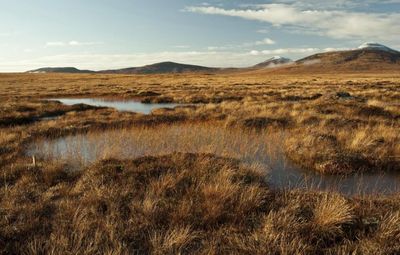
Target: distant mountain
375, 46
274, 62
59, 70
367, 57
163, 67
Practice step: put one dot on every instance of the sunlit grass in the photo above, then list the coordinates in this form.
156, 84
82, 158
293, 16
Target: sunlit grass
122, 203
82, 149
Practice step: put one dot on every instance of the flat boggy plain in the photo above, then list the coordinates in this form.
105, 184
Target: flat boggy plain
199, 203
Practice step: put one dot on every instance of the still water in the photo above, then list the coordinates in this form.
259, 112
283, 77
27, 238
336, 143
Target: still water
120, 105
253, 148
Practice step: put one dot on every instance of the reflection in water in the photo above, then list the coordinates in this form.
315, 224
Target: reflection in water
120, 105
250, 147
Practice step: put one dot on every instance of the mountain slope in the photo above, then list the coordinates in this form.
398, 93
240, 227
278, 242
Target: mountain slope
368, 57
375, 46
273, 62
59, 70
163, 67
358, 56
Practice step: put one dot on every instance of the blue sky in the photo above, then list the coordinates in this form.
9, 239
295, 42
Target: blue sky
103, 34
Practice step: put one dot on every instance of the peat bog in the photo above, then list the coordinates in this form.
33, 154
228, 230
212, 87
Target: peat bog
120, 105
240, 164
253, 148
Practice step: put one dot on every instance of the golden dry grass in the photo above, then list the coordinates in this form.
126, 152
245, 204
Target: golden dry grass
196, 203
183, 204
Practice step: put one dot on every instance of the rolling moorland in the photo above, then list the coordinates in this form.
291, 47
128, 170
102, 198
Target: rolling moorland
179, 202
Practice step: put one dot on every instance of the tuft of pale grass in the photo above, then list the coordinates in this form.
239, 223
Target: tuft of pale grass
389, 229
219, 196
172, 241
331, 213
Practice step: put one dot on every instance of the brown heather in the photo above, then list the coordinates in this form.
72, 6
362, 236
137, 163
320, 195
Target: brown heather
196, 203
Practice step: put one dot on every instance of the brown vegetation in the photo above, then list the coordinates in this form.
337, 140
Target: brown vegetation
197, 203
183, 204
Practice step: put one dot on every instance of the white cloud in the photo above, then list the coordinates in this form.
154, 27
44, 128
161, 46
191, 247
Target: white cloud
333, 23
55, 44
111, 61
255, 52
263, 42
114, 61
335, 49
266, 41
225, 47
70, 43
284, 51
213, 48
263, 31
293, 51
76, 43
181, 46
335, 4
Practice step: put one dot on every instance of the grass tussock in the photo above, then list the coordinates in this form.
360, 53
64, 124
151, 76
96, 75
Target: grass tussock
179, 203
360, 113
365, 149
182, 204
330, 216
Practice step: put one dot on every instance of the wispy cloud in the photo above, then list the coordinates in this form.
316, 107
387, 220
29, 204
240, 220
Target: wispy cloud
8, 34
335, 4
55, 44
286, 51
111, 61
181, 46
70, 43
214, 58
263, 31
337, 23
263, 42
266, 41
220, 48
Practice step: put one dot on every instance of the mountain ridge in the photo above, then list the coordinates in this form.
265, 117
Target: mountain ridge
275, 61
364, 58
367, 57
162, 67
60, 70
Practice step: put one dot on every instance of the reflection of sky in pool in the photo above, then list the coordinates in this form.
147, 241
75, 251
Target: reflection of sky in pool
250, 147
120, 105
